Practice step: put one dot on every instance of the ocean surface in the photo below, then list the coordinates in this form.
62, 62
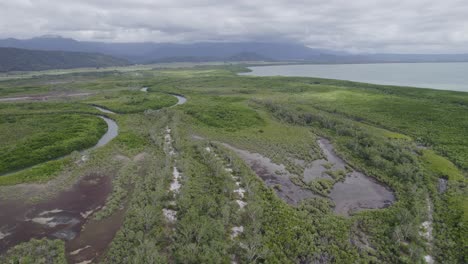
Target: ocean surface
441, 76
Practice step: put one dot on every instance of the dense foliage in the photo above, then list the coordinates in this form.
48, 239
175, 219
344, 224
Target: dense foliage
133, 101
226, 113
393, 134
42, 251
30, 140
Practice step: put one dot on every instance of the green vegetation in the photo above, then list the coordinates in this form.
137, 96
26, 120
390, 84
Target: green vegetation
30, 140
8, 111
207, 212
132, 101
441, 166
417, 116
42, 251
227, 113
39, 173
400, 136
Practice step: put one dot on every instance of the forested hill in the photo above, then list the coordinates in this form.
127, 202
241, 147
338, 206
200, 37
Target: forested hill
149, 52
13, 59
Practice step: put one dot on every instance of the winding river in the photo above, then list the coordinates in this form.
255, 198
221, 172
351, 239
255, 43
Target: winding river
180, 99
64, 216
111, 133
68, 215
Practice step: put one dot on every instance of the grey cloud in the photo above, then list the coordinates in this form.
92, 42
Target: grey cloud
358, 25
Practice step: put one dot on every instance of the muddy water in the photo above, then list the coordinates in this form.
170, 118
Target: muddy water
317, 169
275, 176
61, 217
94, 238
358, 191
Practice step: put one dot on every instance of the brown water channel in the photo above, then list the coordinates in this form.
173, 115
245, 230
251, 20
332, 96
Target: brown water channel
357, 192
275, 176
68, 216
64, 216
61, 217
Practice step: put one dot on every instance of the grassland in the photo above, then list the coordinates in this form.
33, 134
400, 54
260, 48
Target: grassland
132, 101
401, 136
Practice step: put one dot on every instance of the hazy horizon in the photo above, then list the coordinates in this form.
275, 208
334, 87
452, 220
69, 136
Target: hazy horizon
364, 26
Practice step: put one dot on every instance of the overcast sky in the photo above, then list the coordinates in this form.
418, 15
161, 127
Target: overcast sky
417, 26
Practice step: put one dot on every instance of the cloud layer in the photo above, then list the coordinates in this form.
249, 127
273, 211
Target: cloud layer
359, 25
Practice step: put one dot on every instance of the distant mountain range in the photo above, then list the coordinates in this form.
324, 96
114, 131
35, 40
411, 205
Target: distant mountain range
157, 52
13, 59
148, 52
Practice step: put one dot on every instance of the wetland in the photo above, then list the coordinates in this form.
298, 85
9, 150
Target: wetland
282, 169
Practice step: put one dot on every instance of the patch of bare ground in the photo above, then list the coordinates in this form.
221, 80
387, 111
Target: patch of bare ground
426, 231
140, 157
170, 213
240, 199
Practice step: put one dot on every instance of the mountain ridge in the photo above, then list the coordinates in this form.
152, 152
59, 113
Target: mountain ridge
146, 52
151, 52
14, 59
